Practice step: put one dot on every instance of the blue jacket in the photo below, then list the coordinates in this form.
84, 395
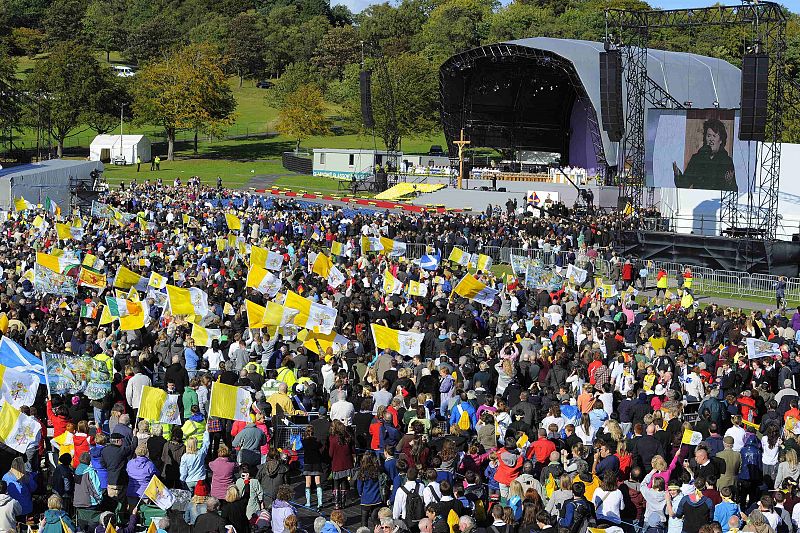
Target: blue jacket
751, 459
21, 490
455, 415
370, 491
723, 511
193, 465
102, 473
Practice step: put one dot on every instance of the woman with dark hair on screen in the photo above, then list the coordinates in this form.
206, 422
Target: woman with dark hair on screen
711, 167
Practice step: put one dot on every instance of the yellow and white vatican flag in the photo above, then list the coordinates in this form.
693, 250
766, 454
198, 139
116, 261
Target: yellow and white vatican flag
481, 262
157, 281
159, 406
335, 277
340, 249
18, 431
230, 402
322, 265
66, 232
204, 336
159, 494
391, 285
265, 258
311, 315
576, 275
416, 288
393, 248
255, 314
263, 280
319, 343
18, 388
472, 289
370, 244
459, 256
402, 342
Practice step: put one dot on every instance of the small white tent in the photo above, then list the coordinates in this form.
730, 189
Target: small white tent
107, 148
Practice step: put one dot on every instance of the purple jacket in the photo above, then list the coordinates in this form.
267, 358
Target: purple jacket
796, 321
140, 471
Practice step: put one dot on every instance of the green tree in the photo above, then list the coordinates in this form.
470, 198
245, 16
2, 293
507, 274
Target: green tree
153, 40
517, 21
30, 41
340, 46
295, 76
63, 21
455, 26
104, 24
244, 47
414, 88
303, 114
9, 108
70, 84
187, 90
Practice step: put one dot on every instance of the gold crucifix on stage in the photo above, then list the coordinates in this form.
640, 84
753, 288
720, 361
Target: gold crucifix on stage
461, 143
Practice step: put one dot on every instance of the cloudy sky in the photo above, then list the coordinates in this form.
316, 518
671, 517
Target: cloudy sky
357, 5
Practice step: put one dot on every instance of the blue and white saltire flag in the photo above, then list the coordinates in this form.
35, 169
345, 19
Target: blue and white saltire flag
15, 356
430, 262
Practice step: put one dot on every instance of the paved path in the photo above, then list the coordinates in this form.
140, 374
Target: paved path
265, 181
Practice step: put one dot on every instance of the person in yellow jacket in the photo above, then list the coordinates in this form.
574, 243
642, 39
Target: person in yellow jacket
688, 278
662, 282
286, 374
195, 426
254, 367
687, 300
108, 361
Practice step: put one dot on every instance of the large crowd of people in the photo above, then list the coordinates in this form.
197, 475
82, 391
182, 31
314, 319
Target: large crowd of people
554, 409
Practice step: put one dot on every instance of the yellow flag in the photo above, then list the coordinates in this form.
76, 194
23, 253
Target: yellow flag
134, 320
38, 221
48, 261
153, 399
337, 248
126, 278
258, 256
322, 265
230, 402
111, 529
89, 260
180, 300
233, 222
3, 323
255, 314
20, 204
152, 527
222, 244
105, 316
457, 255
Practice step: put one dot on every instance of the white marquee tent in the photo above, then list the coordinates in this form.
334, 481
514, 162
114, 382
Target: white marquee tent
107, 148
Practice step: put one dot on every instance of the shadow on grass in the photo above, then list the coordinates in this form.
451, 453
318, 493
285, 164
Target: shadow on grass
244, 151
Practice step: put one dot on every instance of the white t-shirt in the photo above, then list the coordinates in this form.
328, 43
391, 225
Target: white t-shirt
738, 434
608, 504
770, 455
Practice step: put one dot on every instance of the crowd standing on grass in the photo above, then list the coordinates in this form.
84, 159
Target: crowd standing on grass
544, 410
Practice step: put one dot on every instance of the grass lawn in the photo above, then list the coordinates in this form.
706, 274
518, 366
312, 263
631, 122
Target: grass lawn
234, 174
313, 184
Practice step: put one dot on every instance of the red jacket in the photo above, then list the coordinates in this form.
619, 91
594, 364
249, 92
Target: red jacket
506, 474
82, 442
59, 423
542, 448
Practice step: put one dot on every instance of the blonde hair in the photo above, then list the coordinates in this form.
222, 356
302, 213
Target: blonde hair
515, 489
290, 523
658, 463
55, 502
141, 450
791, 457
232, 494
191, 445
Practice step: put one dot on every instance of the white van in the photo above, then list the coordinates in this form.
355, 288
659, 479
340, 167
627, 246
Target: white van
123, 71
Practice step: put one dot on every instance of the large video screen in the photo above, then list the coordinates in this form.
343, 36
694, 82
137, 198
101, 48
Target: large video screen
698, 149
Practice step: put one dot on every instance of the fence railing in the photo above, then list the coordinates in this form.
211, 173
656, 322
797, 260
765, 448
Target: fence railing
726, 283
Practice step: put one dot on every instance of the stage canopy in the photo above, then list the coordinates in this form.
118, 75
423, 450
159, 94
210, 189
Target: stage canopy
544, 94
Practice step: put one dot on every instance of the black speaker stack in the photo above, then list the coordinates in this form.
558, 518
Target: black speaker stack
755, 88
365, 81
611, 94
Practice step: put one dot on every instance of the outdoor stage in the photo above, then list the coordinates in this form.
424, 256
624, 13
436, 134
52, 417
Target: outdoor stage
473, 196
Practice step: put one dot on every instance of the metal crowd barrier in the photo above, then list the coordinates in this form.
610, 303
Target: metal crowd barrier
730, 283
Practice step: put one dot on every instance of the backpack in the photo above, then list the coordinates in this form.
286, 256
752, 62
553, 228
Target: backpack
550, 486
415, 507
464, 421
582, 517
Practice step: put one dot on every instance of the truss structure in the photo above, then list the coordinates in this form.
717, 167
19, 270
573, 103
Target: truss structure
766, 25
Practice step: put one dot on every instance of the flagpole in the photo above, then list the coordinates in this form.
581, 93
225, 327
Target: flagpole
46, 378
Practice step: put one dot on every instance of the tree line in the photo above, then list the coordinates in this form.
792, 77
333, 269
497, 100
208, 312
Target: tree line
187, 48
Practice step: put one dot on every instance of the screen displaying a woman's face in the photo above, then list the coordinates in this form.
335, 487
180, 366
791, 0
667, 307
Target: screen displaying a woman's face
713, 140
